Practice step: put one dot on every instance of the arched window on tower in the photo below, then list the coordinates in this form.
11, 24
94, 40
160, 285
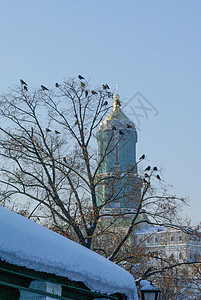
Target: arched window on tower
117, 154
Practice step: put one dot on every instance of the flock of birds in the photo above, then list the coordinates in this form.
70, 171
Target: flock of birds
80, 77
105, 87
148, 169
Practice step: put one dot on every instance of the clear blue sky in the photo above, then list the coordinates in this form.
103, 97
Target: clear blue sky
149, 46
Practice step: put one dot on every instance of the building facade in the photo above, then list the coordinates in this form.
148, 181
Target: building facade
117, 137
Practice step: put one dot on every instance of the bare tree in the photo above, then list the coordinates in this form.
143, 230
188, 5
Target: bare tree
49, 159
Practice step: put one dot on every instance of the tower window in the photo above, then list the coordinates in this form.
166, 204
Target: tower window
117, 155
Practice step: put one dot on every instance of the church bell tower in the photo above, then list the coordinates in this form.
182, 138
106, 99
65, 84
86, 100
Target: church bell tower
117, 138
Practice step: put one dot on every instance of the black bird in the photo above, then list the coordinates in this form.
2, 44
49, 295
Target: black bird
158, 177
114, 128
155, 169
143, 156
56, 84
23, 82
110, 95
64, 159
104, 86
44, 88
146, 175
48, 130
57, 132
148, 168
121, 132
105, 103
129, 126
86, 93
94, 92
82, 84
107, 86
25, 88
80, 77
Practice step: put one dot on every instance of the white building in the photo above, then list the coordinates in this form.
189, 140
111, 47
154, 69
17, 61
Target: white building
170, 242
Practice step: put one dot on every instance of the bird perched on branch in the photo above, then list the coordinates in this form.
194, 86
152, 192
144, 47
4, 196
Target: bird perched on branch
148, 168
105, 103
121, 132
144, 180
114, 128
57, 132
158, 177
56, 84
64, 159
105, 86
23, 82
48, 130
80, 77
129, 126
94, 92
25, 88
44, 88
146, 175
155, 169
143, 156
110, 95
82, 84
86, 93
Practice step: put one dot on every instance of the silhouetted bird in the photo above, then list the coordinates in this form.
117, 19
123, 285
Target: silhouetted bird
48, 130
64, 159
80, 77
129, 126
121, 132
110, 95
143, 156
155, 169
146, 175
114, 128
148, 168
82, 84
25, 87
105, 103
94, 92
107, 86
86, 93
158, 177
57, 132
56, 84
23, 82
104, 86
44, 88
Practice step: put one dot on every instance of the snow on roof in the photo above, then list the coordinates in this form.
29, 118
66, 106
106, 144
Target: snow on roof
28, 244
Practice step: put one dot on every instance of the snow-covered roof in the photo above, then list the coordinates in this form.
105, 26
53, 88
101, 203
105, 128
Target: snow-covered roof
28, 244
